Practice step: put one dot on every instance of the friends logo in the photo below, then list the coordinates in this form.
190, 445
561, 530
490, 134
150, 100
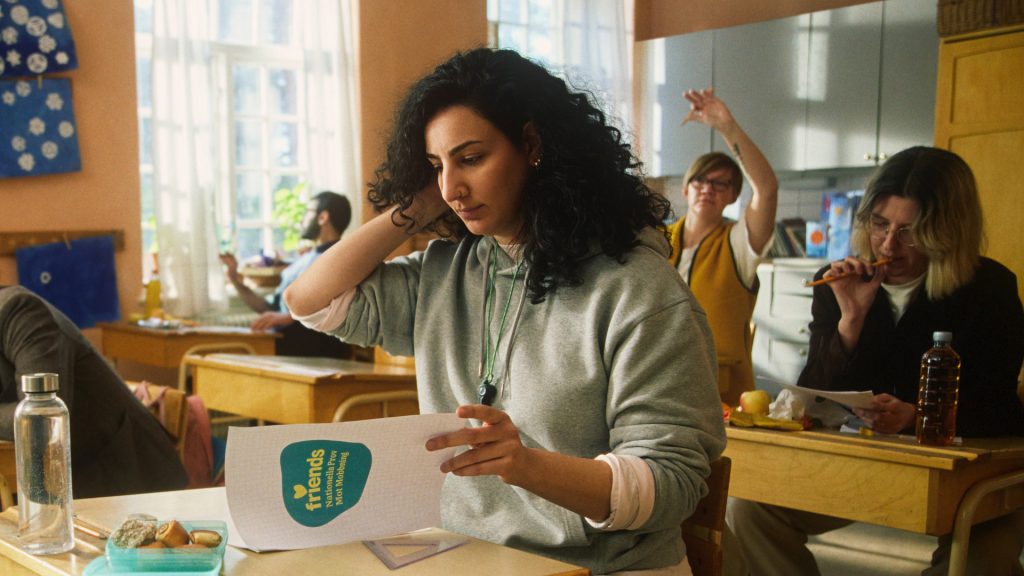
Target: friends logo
321, 479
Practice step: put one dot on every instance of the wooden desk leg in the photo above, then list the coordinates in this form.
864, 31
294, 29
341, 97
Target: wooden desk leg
965, 516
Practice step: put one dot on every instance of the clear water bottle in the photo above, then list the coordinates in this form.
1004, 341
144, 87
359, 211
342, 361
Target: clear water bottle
938, 392
42, 445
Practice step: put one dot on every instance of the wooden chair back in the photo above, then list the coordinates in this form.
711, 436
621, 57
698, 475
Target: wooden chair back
200, 349
702, 531
197, 351
391, 403
6, 493
382, 357
175, 412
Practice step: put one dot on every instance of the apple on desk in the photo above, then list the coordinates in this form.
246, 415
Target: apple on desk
755, 402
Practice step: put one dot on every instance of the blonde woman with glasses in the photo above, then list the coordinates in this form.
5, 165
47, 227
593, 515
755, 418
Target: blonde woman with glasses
716, 256
871, 324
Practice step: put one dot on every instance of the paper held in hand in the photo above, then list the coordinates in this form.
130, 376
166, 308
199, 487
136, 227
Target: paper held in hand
307, 485
861, 399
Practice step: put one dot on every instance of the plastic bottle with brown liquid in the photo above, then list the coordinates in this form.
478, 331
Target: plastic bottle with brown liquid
938, 392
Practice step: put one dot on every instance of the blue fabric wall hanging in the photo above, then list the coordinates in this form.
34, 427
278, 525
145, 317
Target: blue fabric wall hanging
37, 128
35, 38
78, 278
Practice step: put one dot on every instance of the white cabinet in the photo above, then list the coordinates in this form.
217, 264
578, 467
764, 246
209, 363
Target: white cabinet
781, 316
675, 64
759, 71
910, 61
842, 88
870, 82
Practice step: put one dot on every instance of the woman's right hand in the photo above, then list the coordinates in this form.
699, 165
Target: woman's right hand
854, 295
343, 266
429, 205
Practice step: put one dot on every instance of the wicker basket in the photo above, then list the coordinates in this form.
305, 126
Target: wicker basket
962, 16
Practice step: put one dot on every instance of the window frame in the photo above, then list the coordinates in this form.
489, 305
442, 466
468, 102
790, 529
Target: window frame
265, 59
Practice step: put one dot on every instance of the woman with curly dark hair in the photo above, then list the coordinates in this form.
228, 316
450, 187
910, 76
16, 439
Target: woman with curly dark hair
546, 313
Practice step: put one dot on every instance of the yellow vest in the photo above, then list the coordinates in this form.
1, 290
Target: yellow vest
729, 305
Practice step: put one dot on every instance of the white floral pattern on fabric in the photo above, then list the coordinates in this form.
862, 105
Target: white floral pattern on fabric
37, 63
36, 126
36, 26
19, 15
31, 31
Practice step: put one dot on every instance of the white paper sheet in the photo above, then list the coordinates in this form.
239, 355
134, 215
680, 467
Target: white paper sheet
301, 485
861, 399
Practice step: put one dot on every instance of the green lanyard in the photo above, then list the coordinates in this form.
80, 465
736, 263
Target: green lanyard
487, 390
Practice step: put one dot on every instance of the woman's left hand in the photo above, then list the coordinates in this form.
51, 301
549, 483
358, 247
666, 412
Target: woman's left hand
888, 414
494, 447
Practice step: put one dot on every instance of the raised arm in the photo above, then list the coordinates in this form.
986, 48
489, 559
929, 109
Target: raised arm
254, 301
708, 109
351, 260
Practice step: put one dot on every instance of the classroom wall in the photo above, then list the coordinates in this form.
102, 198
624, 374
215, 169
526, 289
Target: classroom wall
104, 195
400, 41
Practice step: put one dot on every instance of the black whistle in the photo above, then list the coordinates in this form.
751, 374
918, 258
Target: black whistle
486, 393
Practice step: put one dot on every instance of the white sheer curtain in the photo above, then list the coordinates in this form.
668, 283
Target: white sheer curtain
591, 39
326, 28
184, 151
185, 136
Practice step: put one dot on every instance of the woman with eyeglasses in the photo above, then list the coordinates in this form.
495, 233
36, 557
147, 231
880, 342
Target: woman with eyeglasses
716, 256
921, 215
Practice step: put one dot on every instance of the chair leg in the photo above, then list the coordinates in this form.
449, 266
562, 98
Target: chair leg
6, 496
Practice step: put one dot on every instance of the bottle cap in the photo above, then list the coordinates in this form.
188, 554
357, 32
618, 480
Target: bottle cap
42, 382
945, 337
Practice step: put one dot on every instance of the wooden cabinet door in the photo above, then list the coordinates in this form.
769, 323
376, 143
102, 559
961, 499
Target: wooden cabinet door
979, 114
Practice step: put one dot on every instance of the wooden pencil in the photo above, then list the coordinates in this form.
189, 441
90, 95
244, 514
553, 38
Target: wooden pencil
828, 279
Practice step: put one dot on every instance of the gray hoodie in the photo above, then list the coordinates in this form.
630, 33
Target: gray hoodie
623, 363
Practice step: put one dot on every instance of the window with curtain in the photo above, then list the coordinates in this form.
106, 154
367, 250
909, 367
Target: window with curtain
589, 42
237, 100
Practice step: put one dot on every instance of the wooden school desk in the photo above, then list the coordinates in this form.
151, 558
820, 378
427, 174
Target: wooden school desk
890, 481
165, 348
287, 389
473, 558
